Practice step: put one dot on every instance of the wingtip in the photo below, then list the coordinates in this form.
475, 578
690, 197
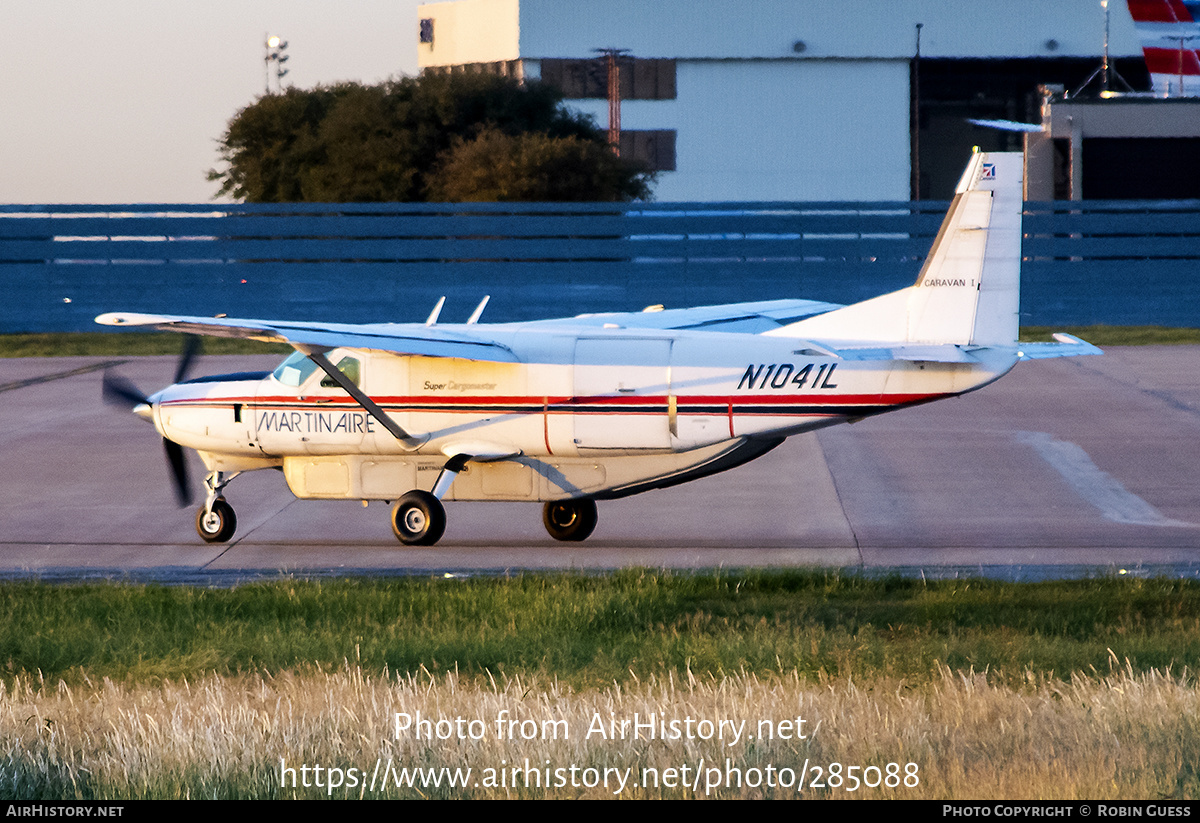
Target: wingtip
124, 318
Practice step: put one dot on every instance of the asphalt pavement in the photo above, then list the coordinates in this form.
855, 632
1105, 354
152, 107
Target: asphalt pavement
1063, 467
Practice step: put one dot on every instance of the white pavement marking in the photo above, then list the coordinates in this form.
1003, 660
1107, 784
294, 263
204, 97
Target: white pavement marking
1095, 486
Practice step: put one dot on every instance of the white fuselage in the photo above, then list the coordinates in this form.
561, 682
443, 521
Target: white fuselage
583, 412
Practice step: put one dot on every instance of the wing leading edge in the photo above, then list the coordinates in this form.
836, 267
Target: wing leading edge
745, 318
430, 341
472, 342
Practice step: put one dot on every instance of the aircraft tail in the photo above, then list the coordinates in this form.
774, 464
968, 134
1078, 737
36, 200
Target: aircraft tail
968, 290
1168, 31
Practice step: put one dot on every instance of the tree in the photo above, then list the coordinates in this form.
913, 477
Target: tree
529, 167
413, 140
267, 142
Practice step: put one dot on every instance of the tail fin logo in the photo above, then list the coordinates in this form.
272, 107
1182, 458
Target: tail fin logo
1168, 31
989, 171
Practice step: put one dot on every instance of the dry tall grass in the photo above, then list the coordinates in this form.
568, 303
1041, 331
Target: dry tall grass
1124, 736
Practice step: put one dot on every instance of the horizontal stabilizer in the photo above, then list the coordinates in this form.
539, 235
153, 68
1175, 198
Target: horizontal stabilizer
1068, 345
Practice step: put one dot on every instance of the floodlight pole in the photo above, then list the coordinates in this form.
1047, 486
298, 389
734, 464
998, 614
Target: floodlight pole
916, 119
274, 53
1104, 69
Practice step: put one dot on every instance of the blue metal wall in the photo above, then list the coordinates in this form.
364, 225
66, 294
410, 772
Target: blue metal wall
1118, 262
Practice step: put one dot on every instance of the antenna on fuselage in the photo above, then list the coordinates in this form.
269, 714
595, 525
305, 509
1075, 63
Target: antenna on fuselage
474, 318
433, 315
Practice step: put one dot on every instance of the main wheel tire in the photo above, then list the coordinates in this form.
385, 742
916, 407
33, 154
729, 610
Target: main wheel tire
571, 520
418, 519
218, 525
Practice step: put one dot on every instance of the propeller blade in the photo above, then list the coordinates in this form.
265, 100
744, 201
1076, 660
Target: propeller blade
178, 463
118, 391
191, 347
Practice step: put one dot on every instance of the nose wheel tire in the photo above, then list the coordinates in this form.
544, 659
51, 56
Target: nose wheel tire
418, 519
570, 520
218, 525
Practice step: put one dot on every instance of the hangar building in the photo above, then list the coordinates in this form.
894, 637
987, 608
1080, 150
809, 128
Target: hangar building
793, 99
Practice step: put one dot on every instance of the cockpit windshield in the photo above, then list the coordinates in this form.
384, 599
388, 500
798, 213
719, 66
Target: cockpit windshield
295, 370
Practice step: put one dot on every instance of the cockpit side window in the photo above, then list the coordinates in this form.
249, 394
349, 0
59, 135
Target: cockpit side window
348, 366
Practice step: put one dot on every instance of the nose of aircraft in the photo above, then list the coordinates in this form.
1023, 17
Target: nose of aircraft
118, 391
145, 409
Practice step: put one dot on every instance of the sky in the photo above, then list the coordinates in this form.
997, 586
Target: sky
123, 101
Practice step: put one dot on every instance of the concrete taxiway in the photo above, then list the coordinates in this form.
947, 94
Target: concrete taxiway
1080, 462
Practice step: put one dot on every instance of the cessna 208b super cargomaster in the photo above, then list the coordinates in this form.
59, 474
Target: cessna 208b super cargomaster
595, 407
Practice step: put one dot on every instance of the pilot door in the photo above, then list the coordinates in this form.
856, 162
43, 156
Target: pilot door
301, 410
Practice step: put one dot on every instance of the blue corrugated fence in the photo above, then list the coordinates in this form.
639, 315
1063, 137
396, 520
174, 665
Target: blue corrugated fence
1091, 262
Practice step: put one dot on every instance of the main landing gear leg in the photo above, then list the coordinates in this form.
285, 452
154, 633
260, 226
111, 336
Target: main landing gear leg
570, 520
418, 518
216, 522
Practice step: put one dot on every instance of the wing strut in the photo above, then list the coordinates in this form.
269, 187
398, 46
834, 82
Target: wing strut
406, 439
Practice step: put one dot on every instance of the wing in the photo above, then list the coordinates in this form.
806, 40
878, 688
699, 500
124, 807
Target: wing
1006, 125
401, 338
744, 318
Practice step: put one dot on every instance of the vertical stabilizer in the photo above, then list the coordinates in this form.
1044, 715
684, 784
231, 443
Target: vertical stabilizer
968, 289
1168, 31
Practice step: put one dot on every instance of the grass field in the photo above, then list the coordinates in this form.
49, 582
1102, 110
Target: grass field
590, 631
811, 684
127, 344
1077, 689
1121, 736
1117, 335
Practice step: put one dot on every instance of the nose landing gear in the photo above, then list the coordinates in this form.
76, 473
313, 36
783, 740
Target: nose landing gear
216, 525
216, 521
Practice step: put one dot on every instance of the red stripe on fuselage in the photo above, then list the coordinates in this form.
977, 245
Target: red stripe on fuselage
637, 404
